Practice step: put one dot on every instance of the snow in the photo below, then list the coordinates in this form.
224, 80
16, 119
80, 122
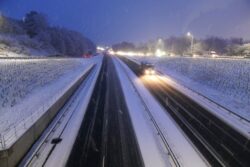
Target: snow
146, 136
22, 46
61, 153
226, 81
70, 118
28, 87
153, 151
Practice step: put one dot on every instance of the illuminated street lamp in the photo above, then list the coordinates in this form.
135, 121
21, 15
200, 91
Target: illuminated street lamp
160, 53
192, 41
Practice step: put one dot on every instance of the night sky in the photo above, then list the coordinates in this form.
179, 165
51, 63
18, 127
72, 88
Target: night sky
110, 21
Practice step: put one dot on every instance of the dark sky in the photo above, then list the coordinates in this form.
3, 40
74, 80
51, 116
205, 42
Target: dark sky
110, 21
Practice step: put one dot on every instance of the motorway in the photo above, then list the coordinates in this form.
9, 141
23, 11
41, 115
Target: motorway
219, 143
106, 136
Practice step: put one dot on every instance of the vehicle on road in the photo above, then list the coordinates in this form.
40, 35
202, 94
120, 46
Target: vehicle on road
147, 68
89, 54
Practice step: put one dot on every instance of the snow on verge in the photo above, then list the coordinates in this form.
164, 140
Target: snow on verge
225, 81
43, 82
61, 153
153, 152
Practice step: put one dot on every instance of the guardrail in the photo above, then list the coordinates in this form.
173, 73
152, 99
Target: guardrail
238, 116
219, 141
14, 131
18, 140
171, 153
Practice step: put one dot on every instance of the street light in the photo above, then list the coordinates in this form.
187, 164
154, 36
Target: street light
192, 41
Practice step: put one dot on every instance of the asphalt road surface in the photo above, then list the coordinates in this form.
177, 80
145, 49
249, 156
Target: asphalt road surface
106, 137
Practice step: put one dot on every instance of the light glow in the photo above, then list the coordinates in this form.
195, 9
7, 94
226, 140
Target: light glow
189, 34
111, 52
172, 54
214, 55
195, 55
128, 53
149, 72
152, 72
99, 48
160, 53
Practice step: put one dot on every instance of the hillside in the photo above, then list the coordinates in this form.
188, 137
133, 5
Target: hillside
33, 36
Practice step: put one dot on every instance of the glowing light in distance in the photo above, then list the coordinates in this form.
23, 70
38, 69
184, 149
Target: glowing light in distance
149, 54
160, 53
189, 34
129, 53
111, 52
172, 54
100, 48
195, 55
214, 55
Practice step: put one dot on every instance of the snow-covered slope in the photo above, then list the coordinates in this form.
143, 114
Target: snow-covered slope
225, 81
13, 45
33, 36
31, 85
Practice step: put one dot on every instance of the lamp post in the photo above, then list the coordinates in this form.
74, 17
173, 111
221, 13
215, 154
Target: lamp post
192, 41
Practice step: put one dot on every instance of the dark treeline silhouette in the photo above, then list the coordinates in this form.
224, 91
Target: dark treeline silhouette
35, 32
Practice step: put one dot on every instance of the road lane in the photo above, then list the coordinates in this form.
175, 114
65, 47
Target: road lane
106, 137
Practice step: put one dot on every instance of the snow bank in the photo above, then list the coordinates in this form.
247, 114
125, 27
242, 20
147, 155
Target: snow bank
226, 81
61, 152
182, 148
152, 150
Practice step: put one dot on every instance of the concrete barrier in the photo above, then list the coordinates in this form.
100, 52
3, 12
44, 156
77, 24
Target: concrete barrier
12, 156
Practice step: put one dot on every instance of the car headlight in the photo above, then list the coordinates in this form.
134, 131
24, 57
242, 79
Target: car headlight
152, 72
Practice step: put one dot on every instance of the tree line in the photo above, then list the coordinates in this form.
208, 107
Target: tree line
34, 31
182, 46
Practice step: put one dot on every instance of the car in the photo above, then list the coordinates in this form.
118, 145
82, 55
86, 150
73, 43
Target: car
87, 55
147, 68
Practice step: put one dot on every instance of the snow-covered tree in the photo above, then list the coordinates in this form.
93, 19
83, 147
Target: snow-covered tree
11, 26
33, 33
35, 23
